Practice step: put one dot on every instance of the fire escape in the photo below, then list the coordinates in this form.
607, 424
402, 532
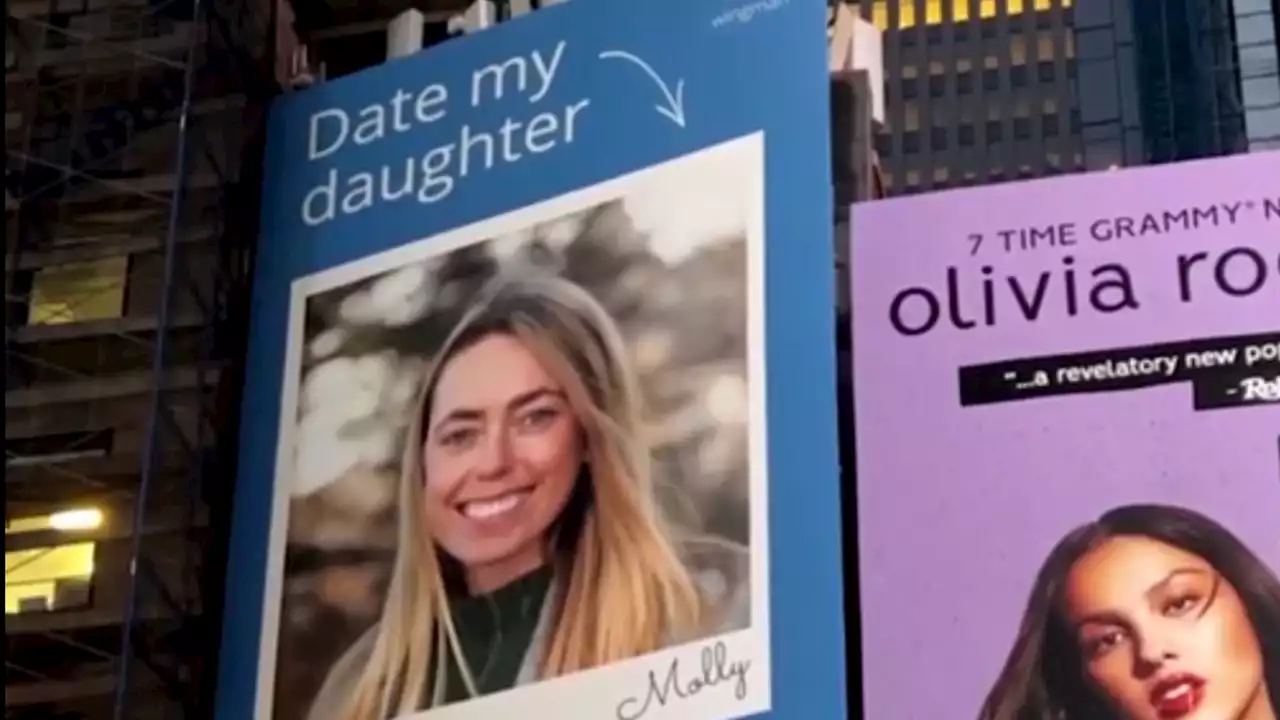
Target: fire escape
133, 143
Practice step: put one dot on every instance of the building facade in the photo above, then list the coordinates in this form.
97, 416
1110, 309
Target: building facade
131, 197
977, 91
1256, 35
983, 91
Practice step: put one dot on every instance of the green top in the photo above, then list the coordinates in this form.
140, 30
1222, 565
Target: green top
495, 632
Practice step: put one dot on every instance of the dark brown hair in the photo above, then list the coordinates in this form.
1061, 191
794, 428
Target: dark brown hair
1044, 679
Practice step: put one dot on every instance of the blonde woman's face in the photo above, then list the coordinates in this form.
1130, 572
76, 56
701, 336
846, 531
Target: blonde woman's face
502, 452
1164, 635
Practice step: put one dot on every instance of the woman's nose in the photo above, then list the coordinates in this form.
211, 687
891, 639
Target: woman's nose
495, 454
1153, 651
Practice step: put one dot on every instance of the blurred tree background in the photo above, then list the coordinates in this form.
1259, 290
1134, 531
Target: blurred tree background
683, 314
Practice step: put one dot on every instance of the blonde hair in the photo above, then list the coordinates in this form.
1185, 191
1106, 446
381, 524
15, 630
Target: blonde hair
624, 590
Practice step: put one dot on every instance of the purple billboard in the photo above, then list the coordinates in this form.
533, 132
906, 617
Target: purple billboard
1067, 396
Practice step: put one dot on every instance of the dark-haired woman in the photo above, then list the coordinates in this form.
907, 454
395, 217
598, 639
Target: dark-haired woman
1148, 613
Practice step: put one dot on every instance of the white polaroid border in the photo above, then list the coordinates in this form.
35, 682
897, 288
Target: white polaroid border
596, 694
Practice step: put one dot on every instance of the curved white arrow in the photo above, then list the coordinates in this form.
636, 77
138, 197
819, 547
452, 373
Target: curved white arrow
674, 108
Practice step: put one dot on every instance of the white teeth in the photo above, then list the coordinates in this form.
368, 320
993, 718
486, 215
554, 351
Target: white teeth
489, 508
1177, 691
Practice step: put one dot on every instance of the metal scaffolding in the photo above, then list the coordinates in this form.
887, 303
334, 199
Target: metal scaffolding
133, 143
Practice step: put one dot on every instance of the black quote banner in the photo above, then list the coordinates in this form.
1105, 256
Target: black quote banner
1224, 372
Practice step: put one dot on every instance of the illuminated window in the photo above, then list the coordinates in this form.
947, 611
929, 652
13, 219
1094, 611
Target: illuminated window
986, 9
909, 72
941, 174
1013, 7
964, 65
913, 178
991, 62
1018, 50
906, 14
50, 578
933, 12
78, 292
880, 14
1050, 106
960, 10
1043, 5
1044, 46
911, 117
936, 67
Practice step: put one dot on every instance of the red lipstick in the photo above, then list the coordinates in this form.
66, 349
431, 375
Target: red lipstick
1177, 696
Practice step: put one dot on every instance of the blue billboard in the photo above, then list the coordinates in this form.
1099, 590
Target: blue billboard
540, 409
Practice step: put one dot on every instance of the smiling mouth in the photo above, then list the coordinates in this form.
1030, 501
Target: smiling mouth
490, 508
1178, 697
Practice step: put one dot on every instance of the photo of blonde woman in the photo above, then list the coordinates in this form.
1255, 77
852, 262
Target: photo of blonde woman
529, 543
525, 461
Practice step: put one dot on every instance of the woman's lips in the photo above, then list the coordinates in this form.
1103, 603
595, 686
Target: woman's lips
494, 507
1177, 696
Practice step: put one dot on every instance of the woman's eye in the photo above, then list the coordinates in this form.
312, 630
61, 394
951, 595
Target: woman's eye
458, 438
1181, 605
1102, 644
538, 419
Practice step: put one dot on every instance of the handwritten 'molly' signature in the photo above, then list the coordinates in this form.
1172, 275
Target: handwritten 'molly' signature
715, 668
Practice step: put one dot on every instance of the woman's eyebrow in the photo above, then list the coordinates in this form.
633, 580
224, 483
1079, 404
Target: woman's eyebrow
515, 403
532, 396
1173, 575
1115, 618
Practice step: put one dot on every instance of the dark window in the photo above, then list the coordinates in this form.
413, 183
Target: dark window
1044, 20
933, 35
964, 83
967, 135
995, 132
352, 53
991, 80
962, 32
938, 138
989, 29
1050, 123
884, 144
1075, 121
57, 38
937, 85
1022, 128
909, 38
1046, 71
1018, 76
910, 88
911, 142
